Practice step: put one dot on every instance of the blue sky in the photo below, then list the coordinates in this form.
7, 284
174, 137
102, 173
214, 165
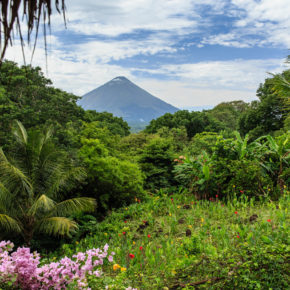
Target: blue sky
188, 53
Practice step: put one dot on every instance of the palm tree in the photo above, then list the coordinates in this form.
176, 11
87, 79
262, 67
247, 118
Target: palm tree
31, 182
33, 11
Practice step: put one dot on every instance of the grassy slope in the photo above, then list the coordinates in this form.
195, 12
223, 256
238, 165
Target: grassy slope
194, 244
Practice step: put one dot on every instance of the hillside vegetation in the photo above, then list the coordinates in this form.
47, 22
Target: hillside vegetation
196, 200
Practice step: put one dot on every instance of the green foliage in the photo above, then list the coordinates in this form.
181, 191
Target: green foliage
236, 166
194, 122
209, 245
258, 267
269, 114
112, 181
228, 113
31, 182
26, 95
116, 125
134, 144
156, 162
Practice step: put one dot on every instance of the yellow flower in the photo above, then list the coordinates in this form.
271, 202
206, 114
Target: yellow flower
190, 226
77, 242
178, 206
202, 220
173, 272
171, 242
170, 214
134, 243
126, 208
234, 186
123, 269
105, 234
116, 267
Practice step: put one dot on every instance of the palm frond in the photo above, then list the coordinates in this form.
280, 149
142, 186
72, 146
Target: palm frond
33, 10
73, 206
42, 205
20, 133
6, 199
63, 177
12, 177
9, 224
56, 226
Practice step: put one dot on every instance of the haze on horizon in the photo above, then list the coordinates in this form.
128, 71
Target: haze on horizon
187, 53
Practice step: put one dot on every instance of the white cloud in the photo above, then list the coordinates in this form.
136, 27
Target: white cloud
81, 67
234, 75
115, 17
191, 84
183, 94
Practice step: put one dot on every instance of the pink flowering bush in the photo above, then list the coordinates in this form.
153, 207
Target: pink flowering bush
21, 268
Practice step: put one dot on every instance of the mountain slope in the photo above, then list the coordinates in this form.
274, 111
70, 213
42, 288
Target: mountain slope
125, 99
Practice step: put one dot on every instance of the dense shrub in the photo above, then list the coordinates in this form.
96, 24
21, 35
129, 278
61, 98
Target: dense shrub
156, 162
235, 166
112, 181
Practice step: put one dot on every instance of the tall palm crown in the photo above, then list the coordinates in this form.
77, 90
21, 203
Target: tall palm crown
30, 184
14, 11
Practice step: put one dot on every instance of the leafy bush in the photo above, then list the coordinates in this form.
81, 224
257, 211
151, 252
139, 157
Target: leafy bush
234, 166
156, 162
112, 181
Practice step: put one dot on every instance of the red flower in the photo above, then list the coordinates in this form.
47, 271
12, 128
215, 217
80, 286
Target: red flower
171, 199
124, 233
144, 222
238, 236
236, 212
241, 191
149, 236
139, 200
216, 196
223, 205
141, 248
131, 256
125, 222
268, 220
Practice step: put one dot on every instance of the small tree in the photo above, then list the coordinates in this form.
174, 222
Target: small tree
30, 185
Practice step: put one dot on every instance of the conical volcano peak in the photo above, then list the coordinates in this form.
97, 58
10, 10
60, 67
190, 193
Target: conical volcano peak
125, 99
120, 79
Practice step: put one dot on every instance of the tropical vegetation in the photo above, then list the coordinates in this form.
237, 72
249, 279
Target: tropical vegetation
196, 200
